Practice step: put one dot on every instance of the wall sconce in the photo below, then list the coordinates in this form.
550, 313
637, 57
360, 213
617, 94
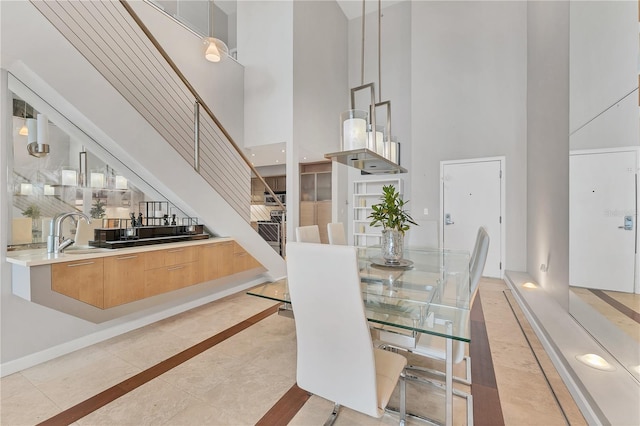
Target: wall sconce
41, 147
97, 180
26, 189
121, 182
69, 177
215, 49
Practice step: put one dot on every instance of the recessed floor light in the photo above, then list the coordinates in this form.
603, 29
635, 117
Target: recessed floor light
529, 285
595, 361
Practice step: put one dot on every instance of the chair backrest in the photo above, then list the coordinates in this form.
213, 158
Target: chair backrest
335, 353
336, 234
477, 261
308, 234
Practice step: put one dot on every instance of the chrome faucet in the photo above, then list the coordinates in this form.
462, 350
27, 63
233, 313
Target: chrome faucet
56, 243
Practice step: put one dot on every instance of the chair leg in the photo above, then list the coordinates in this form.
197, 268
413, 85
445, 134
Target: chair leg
334, 415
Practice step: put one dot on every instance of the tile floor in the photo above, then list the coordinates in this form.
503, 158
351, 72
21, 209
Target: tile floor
238, 380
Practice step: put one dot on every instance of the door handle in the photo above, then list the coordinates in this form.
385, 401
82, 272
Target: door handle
628, 223
447, 219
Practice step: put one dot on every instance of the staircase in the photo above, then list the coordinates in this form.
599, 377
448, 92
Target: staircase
108, 36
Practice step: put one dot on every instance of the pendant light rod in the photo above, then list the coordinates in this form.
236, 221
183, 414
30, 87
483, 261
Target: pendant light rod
362, 50
379, 53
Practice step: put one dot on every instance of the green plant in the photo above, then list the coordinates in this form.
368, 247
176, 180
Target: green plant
98, 210
32, 211
390, 213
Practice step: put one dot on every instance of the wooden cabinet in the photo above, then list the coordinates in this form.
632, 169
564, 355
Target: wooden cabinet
277, 183
216, 260
169, 278
243, 261
123, 279
171, 269
81, 280
110, 281
315, 197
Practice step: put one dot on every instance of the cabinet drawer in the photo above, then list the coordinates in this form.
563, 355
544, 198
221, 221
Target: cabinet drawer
169, 278
170, 257
81, 280
177, 256
123, 279
216, 260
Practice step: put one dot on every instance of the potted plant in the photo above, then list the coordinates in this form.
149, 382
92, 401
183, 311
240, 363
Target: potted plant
97, 210
390, 214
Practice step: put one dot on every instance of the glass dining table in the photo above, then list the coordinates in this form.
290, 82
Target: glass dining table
427, 292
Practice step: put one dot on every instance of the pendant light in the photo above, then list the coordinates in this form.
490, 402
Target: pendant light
24, 131
216, 48
364, 143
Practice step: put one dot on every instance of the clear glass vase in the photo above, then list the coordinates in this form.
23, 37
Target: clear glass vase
392, 243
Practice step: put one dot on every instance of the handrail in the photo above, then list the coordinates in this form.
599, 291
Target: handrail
195, 94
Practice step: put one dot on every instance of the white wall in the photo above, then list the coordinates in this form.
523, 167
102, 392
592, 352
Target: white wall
468, 100
548, 146
320, 90
265, 48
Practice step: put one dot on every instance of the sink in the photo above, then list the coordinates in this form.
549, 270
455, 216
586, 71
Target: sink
85, 250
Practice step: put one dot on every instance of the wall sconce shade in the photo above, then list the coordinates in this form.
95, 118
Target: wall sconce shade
215, 49
32, 130
41, 147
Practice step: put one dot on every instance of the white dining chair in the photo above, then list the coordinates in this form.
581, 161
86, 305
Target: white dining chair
336, 234
431, 346
336, 359
308, 234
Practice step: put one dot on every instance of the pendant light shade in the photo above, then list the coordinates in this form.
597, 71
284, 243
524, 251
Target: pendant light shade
24, 131
215, 49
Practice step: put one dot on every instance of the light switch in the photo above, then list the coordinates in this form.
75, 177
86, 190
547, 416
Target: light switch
426, 211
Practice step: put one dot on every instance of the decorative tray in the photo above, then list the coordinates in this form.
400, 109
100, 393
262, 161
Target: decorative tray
402, 263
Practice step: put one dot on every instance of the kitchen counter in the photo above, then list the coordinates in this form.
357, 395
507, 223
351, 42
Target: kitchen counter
36, 257
99, 284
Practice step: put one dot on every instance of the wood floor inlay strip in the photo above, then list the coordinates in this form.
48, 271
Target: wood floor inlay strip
92, 404
624, 309
286, 408
486, 401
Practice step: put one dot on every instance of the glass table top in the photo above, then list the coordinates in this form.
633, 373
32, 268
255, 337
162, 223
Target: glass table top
429, 296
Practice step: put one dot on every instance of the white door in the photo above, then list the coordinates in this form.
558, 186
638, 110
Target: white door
471, 198
602, 209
